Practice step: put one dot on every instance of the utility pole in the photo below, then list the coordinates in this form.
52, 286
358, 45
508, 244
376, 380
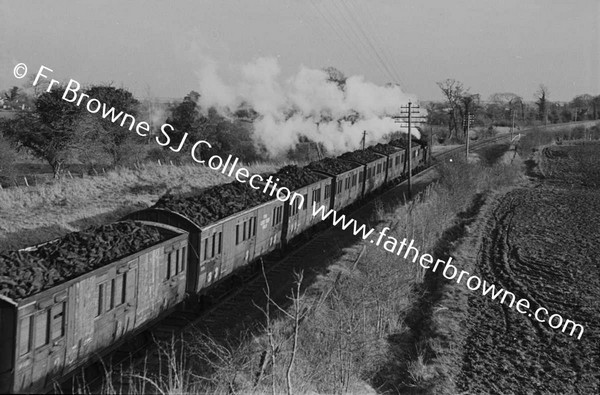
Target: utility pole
468, 122
430, 151
512, 126
405, 114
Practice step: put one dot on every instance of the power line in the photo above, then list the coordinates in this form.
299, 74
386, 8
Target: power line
358, 37
370, 18
369, 43
340, 32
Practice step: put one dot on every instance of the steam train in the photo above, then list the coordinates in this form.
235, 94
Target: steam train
206, 238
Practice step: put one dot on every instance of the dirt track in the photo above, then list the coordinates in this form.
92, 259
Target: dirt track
543, 244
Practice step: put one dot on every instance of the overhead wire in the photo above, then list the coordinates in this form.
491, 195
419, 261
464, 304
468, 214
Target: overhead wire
367, 12
357, 29
317, 27
339, 31
357, 38
352, 32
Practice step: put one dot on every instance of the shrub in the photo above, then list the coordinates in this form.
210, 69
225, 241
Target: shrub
8, 157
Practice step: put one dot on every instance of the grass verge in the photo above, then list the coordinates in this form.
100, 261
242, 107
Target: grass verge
31, 215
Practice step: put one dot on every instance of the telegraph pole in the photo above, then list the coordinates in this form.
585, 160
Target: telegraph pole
430, 151
512, 125
406, 113
468, 122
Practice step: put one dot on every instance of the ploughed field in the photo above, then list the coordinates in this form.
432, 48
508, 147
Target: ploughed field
542, 243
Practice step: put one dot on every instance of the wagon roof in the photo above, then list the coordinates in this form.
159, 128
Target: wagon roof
332, 166
214, 203
26, 272
361, 156
294, 177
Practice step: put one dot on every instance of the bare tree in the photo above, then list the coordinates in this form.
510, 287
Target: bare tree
581, 105
595, 107
501, 102
542, 95
453, 90
336, 76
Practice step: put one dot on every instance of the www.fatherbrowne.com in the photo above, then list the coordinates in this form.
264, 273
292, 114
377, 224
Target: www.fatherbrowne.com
450, 271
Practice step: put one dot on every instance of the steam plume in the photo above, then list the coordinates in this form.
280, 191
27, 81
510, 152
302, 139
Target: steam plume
305, 104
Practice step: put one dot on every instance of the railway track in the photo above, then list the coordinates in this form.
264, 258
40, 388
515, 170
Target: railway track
239, 311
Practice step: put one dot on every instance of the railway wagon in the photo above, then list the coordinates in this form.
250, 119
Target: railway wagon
229, 226
346, 183
374, 168
46, 335
418, 153
395, 163
308, 184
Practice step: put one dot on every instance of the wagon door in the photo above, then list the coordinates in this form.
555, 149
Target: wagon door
57, 352
124, 289
81, 314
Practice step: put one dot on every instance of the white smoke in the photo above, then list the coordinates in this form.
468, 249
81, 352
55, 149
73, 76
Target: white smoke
305, 104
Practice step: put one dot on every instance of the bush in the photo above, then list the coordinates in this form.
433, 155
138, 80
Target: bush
8, 157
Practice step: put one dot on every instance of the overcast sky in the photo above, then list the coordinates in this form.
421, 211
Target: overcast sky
156, 48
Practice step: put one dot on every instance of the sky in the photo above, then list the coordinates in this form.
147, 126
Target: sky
156, 48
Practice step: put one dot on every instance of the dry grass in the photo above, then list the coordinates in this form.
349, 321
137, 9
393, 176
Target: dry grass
37, 214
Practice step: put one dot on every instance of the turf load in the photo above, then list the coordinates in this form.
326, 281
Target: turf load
27, 272
294, 177
360, 156
215, 203
403, 142
332, 166
384, 149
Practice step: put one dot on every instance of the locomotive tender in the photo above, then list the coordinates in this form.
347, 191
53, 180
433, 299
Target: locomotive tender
48, 335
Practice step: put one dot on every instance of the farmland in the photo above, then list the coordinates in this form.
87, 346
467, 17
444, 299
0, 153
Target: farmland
541, 241
545, 245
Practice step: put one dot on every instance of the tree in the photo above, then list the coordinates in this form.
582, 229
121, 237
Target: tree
17, 98
504, 107
437, 113
581, 106
8, 157
453, 90
12, 94
542, 95
50, 132
336, 76
186, 117
596, 107
115, 140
